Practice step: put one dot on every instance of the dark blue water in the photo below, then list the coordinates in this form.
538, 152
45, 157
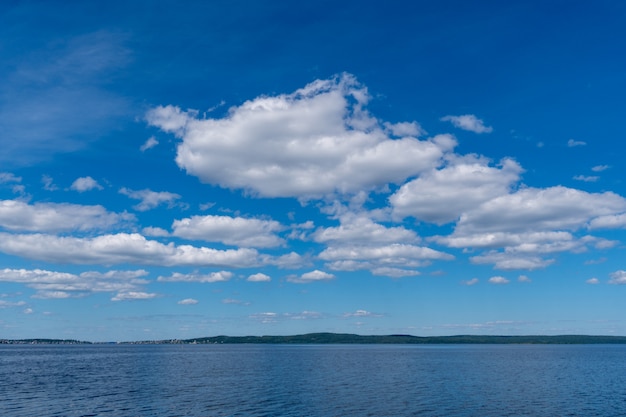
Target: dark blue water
308, 380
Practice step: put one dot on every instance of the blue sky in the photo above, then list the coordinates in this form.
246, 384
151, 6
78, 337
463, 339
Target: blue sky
235, 167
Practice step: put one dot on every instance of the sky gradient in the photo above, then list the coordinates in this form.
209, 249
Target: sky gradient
253, 168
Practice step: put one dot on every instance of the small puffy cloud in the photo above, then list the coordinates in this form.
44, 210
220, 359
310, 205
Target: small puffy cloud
618, 277
188, 302
16, 215
593, 281
123, 248
155, 232
134, 295
468, 122
613, 221
391, 272
572, 143
48, 183
235, 301
260, 277
316, 141
150, 143
442, 195
600, 168
237, 231
586, 178
362, 313
512, 261
523, 278
52, 284
83, 184
470, 282
8, 304
498, 280
357, 229
220, 276
150, 199
28, 311
405, 129
312, 276
8, 177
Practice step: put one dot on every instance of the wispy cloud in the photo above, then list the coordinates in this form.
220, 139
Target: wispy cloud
468, 122
572, 143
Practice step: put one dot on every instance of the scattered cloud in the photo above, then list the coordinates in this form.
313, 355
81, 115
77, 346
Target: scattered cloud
8, 177
498, 280
316, 141
220, 276
235, 301
362, 313
618, 277
150, 199
442, 195
155, 232
586, 178
312, 276
134, 295
150, 143
237, 231
593, 281
470, 282
85, 184
524, 278
260, 277
48, 183
468, 122
188, 302
600, 168
391, 272
123, 248
16, 215
572, 143
52, 284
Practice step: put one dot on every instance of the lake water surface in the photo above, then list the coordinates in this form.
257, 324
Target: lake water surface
312, 380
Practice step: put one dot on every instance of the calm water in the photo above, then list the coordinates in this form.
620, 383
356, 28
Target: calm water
330, 380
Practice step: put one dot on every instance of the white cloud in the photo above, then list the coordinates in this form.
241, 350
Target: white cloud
188, 301
468, 122
150, 143
8, 177
312, 276
523, 278
134, 295
83, 184
8, 304
362, 313
155, 232
512, 261
150, 199
470, 282
260, 277
220, 276
51, 284
121, 248
386, 271
554, 208
498, 280
235, 301
618, 277
28, 311
600, 168
593, 281
316, 141
394, 253
442, 195
236, 231
404, 129
586, 178
572, 143
615, 221
17, 215
356, 229
48, 183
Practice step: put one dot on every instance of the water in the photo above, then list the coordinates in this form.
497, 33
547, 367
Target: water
313, 380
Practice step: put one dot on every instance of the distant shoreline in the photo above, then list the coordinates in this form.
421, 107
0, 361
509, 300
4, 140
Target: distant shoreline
344, 338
